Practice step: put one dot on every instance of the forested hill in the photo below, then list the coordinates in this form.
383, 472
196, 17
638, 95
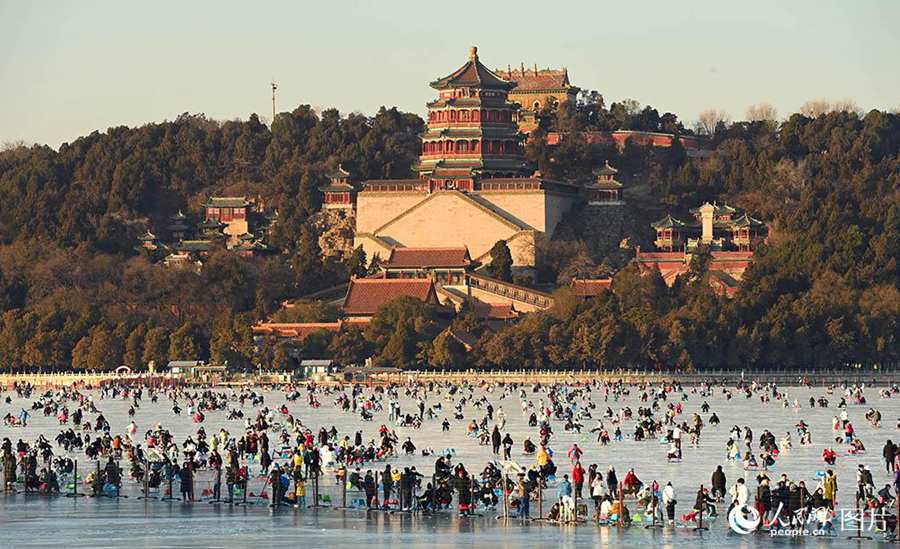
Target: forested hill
824, 293
75, 293
93, 189
72, 285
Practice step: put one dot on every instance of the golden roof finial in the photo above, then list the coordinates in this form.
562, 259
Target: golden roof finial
473, 53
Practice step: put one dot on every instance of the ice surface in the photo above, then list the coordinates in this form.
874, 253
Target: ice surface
40, 521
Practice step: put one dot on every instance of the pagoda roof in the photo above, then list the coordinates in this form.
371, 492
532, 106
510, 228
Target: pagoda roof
745, 220
455, 102
194, 246
148, 237
211, 224
605, 184
226, 202
255, 246
669, 222
338, 173
178, 223
468, 170
476, 131
718, 209
337, 188
428, 258
494, 311
538, 79
366, 295
472, 75
589, 287
607, 169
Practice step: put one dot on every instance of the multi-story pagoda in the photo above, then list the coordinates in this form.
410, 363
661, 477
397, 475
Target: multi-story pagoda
148, 241
473, 187
606, 189
178, 227
472, 129
339, 193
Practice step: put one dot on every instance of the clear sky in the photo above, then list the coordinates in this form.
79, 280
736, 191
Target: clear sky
67, 68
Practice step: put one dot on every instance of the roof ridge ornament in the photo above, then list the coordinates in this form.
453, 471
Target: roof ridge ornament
473, 53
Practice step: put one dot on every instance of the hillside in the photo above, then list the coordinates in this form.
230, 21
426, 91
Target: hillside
75, 293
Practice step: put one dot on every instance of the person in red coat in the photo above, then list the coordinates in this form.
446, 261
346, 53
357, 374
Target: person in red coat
578, 478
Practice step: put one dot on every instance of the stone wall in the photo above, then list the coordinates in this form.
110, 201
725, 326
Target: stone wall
374, 209
448, 219
476, 220
603, 228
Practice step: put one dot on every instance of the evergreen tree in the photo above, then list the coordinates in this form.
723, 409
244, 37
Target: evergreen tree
500, 266
156, 348
134, 348
447, 352
182, 345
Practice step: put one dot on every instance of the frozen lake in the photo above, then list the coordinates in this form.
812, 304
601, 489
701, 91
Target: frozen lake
30, 520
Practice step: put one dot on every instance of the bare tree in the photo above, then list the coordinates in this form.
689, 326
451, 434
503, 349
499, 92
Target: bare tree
846, 105
762, 112
815, 108
818, 107
709, 121
13, 145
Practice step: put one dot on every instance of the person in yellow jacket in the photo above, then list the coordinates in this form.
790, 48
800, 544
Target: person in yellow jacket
297, 464
830, 489
299, 494
543, 457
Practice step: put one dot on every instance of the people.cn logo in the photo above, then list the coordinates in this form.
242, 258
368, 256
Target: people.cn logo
743, 520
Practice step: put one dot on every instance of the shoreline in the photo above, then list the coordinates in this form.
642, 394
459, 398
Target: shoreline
526, 377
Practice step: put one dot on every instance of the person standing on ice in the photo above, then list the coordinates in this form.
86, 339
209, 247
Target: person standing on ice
739, 494
507, 447
501, 418
669, 502
496, 439
522, 492
578, 478
564, 489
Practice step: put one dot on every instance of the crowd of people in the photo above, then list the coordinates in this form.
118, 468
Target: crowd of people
279, 446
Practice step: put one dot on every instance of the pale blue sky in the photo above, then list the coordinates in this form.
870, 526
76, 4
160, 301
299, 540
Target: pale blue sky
67, 68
